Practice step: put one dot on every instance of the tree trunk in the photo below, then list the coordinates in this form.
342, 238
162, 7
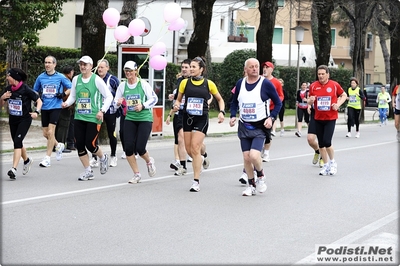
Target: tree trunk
394, 44
324, 10
202, 14
94, 29
386, 55
128, 13
314, 27
14, 54
265, 32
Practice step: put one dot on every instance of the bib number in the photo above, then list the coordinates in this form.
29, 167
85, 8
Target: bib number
324, 103
84, 106
195, 106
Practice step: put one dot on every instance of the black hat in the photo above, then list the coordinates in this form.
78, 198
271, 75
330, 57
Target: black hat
17, 74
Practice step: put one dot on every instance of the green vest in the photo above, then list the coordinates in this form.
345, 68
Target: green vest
354, 98
381, 98
88, 100
134, 97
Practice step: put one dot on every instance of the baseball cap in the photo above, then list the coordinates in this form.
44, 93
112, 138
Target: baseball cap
268, 64
130, 65
85, 59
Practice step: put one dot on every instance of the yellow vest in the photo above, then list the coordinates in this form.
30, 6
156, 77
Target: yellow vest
354, 98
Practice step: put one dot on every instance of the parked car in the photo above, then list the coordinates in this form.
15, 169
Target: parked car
371, 91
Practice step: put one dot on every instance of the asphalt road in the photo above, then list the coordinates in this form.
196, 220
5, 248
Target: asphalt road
49, 217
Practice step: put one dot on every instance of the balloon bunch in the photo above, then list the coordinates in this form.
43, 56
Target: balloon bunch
172, 15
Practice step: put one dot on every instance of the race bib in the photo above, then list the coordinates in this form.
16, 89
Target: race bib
84, 106
15, 107
49, 91
248, 112
195, 106
382, 102
324, 103
132, 100
352, 99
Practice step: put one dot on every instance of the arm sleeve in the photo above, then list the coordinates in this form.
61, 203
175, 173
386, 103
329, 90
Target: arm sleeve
72, 96
108, 97
150, 94
235, 103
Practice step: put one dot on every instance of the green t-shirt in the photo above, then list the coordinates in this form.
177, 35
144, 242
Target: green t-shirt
134, 97
88, 100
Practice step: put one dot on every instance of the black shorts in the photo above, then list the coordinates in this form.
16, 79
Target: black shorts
50, 117
311, 125
195, 123
396, 111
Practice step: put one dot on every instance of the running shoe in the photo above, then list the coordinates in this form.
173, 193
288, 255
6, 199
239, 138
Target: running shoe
12, 173
151, 168
398, 136
27, 166
315, 158
123, 155
45, 162
357, 135
273, 133
348, 135
181, 171
94, 163
261, 186
243, 178
135, 179
298, 133
113, 161
104, 164
189, 159
321, 162
333, 168
265, 157
206, 163
249, 191
195, 186
282, 132
324, 170
174, 165
59, 151
85, 176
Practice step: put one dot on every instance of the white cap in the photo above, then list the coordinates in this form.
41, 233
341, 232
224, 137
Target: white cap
85, 59
130, 65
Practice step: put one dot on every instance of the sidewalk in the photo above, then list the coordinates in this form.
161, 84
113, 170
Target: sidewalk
35, 139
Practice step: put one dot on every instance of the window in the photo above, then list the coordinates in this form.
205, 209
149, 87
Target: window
222, 24
368, 45
368, 79
333, 37
278, 36
251, 3
281, 3
248, 32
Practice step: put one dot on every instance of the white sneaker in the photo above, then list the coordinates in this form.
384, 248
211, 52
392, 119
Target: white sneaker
265, 157
94, 163
398, 136
45, 162
85, 176
59, 151
27, 167
123, 155
282, 133
249, 191
324, 170
357, 135
206, 163
12, 173
181, 171
113, 161
174, 165
273, 133
260, 184
333, 168
243, 178
298, 133
195, 186
348, 135
136, 156
104, 164
189, 159
151, 168
135, 179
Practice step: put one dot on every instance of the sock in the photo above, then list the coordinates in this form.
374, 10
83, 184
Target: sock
205, 154
27, 161
88, 169
197, 180
183, 163
317, 151
95, 157
252, 182
266, 152
260, 173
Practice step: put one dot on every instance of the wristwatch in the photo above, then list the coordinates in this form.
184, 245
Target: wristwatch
222, 111
272, 118
37, 111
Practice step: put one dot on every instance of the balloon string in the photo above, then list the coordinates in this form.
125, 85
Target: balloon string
107, 50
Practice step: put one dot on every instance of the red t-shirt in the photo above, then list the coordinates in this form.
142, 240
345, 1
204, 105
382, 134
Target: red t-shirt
325, 96
278, 86
394, 93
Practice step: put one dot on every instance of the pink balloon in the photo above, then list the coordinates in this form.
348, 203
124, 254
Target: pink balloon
136, 27
158, 62
121, 33
172, 11
111, 17
157, 49
177, 24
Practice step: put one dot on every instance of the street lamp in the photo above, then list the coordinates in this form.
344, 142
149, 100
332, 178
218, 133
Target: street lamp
299, 31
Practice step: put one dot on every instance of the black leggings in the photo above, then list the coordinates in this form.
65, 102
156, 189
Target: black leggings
110, 120
324, 130
353, 117
121, 131
18, 132
86, 134
136, 135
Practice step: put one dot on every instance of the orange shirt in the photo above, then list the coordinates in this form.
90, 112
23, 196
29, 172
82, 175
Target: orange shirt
278, 86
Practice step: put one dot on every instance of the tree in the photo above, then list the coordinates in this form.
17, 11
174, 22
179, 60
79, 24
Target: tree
22, 20
128, 13
322, 36
202, 14
94, 29
268, 9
